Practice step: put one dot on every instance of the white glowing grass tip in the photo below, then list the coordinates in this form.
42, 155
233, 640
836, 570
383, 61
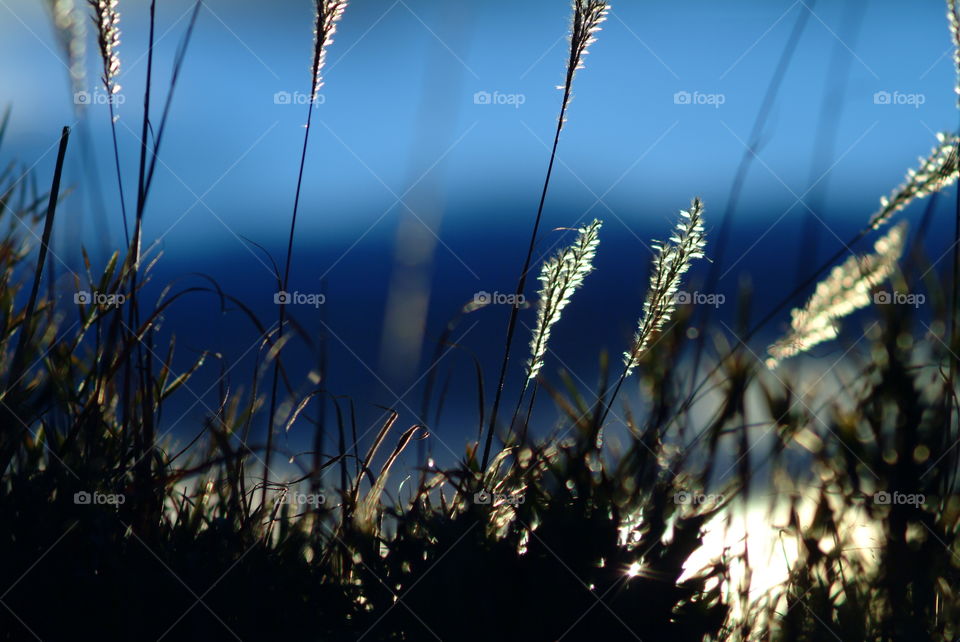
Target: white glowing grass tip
846, 289
936, 172
107, 20
672, 260
953, 16
587, 16
329, 13
560, 276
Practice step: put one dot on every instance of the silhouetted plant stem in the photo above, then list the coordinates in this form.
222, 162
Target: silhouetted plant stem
521, 283
175, 76
526, 421
106, 18
831, 109
613, 395
516, 410
283, 317
587, 16
144, 357
773, 88
116, 162
328, 13
26, 331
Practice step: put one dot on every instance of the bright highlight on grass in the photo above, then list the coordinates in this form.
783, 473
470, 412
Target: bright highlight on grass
936, 172
671, 262
560, 276
847, 289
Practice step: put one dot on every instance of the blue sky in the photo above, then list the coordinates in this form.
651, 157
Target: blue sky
397, 65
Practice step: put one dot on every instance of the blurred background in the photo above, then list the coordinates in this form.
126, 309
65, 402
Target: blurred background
427, 156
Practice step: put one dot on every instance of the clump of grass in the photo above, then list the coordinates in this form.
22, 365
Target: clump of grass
876, 543
594, 540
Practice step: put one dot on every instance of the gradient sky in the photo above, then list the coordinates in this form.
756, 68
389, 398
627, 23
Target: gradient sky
626, 139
